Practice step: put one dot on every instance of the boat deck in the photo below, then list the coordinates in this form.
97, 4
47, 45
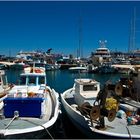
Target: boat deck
119, 128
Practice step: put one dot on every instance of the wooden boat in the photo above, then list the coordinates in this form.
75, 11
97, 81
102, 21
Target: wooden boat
101, 113
30, 109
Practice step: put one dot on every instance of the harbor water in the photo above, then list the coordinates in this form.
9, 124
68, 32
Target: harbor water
62, 80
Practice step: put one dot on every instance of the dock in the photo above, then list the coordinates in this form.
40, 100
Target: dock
136, 67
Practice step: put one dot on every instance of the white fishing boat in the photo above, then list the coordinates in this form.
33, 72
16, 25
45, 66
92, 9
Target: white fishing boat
80, 68
98, 113
30, 109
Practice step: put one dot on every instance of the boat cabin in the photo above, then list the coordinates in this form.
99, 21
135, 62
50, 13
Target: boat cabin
27, 98
86, 90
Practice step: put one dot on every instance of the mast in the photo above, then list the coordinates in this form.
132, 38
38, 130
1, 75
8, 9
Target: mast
132, 39
9, 52
134, 30
80, 38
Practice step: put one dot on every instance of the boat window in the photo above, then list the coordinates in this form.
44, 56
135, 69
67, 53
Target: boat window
41, 80
39, 65
89, 87
32, 80
22, 80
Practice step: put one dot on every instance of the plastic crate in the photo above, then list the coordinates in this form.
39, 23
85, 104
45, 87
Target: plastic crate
27, 107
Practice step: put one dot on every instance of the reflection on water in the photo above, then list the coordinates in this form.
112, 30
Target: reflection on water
13, 76
61, 80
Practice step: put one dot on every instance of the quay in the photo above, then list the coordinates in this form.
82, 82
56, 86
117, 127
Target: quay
127, 66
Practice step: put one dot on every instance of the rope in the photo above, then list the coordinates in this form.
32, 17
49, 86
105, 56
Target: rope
41, 126
16, 115
129, 132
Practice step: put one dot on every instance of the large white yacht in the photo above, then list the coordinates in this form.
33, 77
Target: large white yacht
102, 54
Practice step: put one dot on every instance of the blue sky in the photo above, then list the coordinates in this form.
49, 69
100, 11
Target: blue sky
42, 25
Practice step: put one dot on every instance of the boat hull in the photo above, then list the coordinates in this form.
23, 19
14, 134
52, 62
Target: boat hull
35, 135
80, 122
39, 130
77, 119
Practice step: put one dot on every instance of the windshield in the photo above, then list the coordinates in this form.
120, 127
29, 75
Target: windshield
32, 80
41, 80
22, 80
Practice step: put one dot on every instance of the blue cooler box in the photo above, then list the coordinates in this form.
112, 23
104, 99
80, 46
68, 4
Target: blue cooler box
27, 107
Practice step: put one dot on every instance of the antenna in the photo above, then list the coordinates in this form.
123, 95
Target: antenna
102, 43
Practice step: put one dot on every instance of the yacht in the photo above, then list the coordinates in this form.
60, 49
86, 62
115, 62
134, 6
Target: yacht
102, 54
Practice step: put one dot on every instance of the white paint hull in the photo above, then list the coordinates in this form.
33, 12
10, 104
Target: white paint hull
37, 130
91, 132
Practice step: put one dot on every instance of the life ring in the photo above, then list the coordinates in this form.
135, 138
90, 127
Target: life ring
38, 70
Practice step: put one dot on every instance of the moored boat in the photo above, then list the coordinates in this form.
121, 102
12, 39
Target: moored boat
101, 113
105, 69
31, 108
79, 69
102, 54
